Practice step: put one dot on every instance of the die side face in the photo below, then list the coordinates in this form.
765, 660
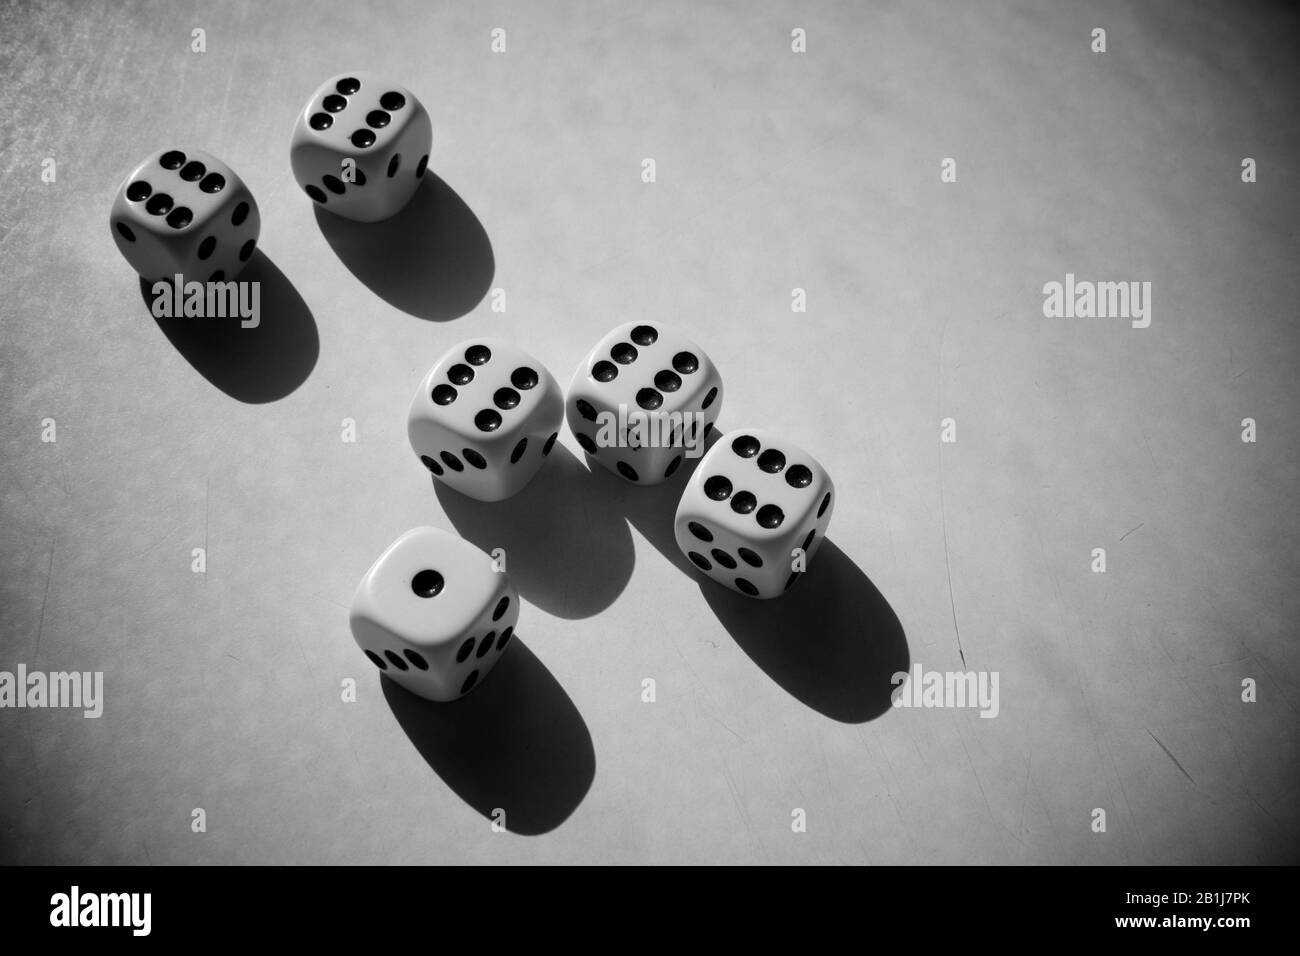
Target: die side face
754, 499
380, 126
185, 211
655, 374
433, 615
485, 418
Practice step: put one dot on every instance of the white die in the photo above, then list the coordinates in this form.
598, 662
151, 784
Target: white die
642, 399
187, 212
485, 418
754, 500
433, 615
377, 124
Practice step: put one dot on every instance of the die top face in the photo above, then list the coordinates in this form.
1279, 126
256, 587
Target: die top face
174, 192
484, 389
646, 367
429, 587
756, 485
358, 113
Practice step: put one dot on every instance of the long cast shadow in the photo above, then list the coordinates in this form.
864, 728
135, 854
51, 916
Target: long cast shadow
516, 744
832, 641
566, 551
432, 260
257, 364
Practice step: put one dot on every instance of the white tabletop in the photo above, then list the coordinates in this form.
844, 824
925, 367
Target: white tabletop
775, 170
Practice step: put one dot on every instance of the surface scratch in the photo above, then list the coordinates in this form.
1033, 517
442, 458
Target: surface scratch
943, 511
1170, 755
49, 576
740, 810
725, 726
1130, 531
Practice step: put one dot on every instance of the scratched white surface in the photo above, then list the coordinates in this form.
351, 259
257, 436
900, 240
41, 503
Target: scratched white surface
1119, 691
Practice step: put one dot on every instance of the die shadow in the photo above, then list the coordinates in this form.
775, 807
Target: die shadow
432, 259
832, 641
566, 551
516, 743
258, 364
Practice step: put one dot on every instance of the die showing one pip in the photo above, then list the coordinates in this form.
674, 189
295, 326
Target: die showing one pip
185, 211
360, 146
754, 500
433, 614
485, 418
643, 398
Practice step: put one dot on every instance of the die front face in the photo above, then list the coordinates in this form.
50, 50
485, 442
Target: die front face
185, 211
380, 127
485, 418
752, 501
433, 615
642, 399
